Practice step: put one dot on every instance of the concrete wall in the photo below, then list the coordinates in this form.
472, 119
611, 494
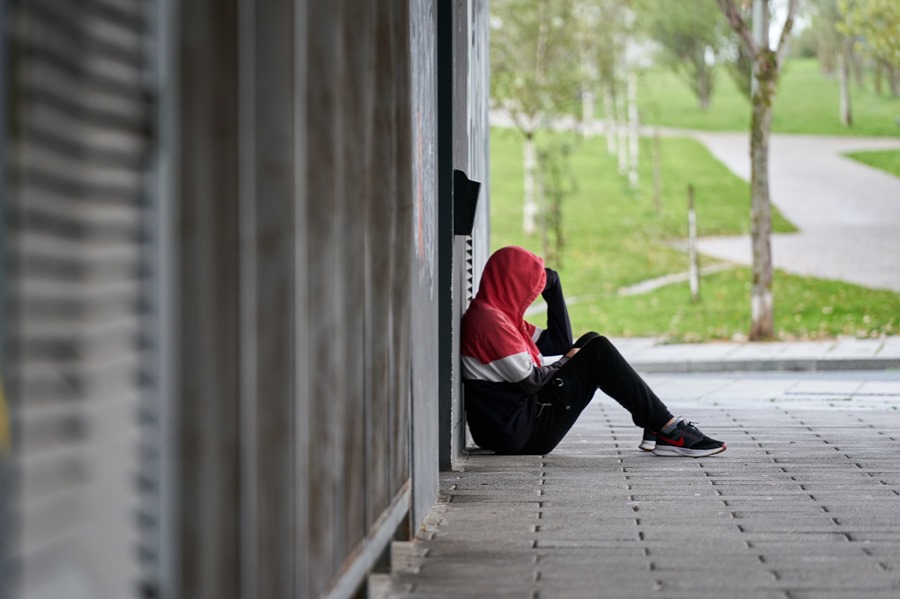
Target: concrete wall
425, 378
478, 126
463, 90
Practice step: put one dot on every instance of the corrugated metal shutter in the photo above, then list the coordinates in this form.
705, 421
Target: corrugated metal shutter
80, 121
470, 271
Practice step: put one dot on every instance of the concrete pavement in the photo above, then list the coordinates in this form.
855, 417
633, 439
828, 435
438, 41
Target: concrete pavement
847, 213
805, 503
648, 354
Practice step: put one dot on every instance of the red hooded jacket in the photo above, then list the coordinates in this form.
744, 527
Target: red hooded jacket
501, 352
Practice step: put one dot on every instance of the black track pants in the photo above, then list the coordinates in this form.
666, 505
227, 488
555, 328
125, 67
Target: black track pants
598, 364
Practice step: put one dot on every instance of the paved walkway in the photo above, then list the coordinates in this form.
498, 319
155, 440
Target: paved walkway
804, 504
848, 213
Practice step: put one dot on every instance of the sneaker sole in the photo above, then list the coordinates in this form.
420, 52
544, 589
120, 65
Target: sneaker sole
647, 445
670, 451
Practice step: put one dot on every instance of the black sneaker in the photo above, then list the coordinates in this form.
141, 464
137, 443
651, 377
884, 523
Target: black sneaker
685, 440
649, 440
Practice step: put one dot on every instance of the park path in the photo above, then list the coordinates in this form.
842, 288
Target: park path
847, 213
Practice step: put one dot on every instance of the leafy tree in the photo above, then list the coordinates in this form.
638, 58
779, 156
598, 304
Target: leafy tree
877, 22
690, 38
767, 65
534, 74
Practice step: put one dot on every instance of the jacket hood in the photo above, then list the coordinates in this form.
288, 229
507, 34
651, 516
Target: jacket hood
513, 278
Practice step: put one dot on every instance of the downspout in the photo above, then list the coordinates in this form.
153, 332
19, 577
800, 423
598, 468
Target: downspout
445, 238
5, 424
166, 292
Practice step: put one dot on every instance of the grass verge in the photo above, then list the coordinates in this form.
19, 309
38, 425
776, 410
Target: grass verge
806, 102
614, 238
805, 308
886, 160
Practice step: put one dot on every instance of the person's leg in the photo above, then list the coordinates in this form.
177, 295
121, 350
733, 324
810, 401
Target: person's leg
597, 364
608, 369
581, 341
648, 440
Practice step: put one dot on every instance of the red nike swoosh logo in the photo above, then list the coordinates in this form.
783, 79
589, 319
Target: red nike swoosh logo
678, 443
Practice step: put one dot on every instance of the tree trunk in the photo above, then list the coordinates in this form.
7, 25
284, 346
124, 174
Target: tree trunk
704, 83
761, 302
542, 203
704, 100
856, 66
693, 258
609, 109
633, 131
622, 132
657, 176
587, 111
530, 202
844, 81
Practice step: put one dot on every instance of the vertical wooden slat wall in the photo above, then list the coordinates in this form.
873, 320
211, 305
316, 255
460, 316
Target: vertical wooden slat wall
208, 402
301, 432
297, 245
267, 239
80, 122
358, 284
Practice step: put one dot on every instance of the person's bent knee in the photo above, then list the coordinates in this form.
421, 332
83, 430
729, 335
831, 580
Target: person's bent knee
597, 339
587, 337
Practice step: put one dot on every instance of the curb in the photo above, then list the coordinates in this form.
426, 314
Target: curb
766, 365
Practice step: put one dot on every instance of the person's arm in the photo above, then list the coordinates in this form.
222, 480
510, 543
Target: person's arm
557, 338
517, 368
540, 376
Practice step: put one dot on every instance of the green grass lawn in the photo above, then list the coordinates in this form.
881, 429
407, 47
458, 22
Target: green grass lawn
886, 160
806, 102
615, 238
805, 308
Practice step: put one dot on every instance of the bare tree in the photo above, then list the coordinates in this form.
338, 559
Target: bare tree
767, 65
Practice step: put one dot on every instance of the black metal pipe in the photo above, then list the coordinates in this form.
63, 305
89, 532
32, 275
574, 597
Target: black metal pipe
445, 236
5, 423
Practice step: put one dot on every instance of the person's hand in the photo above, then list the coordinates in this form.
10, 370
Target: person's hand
572, 352
552, 278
